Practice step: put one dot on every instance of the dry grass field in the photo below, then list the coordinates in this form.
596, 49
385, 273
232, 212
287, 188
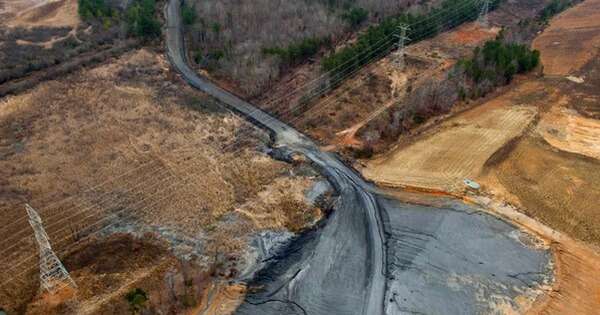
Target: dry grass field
120, 144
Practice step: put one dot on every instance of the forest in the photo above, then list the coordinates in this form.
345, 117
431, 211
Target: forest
139, 16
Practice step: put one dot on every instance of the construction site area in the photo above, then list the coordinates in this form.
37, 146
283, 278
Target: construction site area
533, 145
152, 193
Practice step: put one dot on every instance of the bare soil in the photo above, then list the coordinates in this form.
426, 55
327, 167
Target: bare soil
571, 40
336, 117
549, 170
457, 149
35, 13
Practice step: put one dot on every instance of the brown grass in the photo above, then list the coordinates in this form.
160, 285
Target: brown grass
118, 143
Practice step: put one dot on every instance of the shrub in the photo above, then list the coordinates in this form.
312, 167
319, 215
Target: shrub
297, 52
89, 9
498, 62
553, 8
137, 299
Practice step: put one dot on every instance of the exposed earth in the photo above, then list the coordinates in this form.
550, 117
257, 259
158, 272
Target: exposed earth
542, 159
36, 13
148, 175
357, 253
456, 149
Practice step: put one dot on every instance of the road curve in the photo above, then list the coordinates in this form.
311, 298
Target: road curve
348, 261
375, 255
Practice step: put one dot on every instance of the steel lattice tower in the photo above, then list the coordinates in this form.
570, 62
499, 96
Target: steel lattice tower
53, 274
402, 39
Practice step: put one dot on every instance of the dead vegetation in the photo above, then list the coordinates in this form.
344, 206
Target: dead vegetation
119, 149
370, 111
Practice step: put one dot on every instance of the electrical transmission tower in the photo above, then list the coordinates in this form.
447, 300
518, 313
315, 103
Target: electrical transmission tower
483, 14
53, 274
402, 39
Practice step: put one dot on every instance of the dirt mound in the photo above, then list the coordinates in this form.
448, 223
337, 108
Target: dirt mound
566, 130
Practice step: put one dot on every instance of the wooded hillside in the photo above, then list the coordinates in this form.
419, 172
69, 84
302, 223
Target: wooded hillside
252, 42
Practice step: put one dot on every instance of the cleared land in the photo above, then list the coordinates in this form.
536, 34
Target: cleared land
123, 144
549, 170
335, 118
554, 170
564, 128
571, 40
458, 148
338, 118
36, 13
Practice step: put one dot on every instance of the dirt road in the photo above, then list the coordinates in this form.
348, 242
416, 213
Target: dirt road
351, 266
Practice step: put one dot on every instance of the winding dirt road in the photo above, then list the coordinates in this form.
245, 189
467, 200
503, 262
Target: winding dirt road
368, 265
375, 255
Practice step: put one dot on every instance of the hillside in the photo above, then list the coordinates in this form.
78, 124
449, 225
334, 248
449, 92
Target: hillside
121, 158
229, 38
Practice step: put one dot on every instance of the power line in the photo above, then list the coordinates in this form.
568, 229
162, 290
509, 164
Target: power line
301, 106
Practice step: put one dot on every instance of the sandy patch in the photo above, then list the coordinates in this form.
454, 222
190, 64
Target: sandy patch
571, 40
565, 129
32, 13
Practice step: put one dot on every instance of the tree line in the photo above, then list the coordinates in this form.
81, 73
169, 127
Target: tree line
139, 17
555, 7
496, 63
